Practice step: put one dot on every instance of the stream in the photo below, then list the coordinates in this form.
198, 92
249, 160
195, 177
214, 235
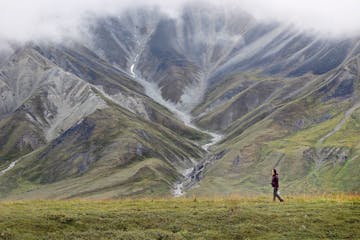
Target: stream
11, 166
191, 175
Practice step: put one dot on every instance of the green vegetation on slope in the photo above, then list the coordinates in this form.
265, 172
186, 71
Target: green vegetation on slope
111, 153
336, 217
266, 145
308, 129
18, 137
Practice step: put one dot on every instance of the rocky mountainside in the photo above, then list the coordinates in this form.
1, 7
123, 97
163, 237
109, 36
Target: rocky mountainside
207, 102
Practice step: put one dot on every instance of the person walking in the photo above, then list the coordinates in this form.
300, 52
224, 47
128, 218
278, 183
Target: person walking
275, 185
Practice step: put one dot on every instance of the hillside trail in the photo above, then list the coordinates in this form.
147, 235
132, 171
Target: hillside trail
320, 142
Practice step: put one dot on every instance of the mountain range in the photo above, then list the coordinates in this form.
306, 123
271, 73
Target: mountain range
205, 103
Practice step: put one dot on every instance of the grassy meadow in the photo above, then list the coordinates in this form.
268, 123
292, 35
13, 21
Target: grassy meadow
320, 217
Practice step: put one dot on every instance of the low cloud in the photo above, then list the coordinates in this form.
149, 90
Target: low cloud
56, 20
333, 17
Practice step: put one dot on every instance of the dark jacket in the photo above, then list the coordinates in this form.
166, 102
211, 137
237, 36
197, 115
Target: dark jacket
275, 181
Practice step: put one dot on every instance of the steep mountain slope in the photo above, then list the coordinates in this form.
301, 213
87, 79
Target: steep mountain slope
311, 139
203, 46
109, 153
47, 131
125, 111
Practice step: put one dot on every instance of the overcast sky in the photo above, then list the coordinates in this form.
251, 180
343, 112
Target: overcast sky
24, 20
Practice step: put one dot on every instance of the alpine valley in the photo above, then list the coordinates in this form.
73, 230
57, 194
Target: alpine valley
204, 103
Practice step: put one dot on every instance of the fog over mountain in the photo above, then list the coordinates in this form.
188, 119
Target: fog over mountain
109, 99
41, 20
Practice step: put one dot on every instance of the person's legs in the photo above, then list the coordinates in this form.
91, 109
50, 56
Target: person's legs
274, 194
278, 196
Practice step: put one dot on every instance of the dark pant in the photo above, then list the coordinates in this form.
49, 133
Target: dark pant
276, 195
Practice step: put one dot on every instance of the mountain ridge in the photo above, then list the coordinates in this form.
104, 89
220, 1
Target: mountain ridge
132, 109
